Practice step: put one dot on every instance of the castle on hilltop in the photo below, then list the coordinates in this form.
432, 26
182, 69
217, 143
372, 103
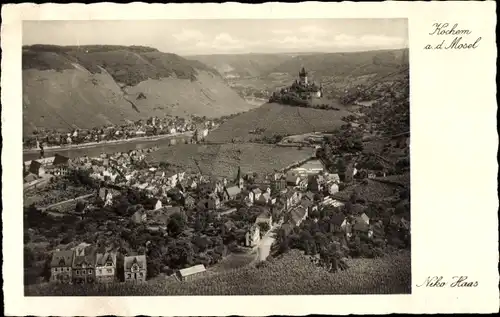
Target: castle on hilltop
301, 92
309, 90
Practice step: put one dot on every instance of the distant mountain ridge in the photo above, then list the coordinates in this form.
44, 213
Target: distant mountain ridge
95, 85
242, 65
346, 64
322, 64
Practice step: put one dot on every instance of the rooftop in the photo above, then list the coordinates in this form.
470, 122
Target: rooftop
192, 270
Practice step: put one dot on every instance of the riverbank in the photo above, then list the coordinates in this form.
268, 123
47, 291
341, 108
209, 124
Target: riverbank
96, 149
91, 144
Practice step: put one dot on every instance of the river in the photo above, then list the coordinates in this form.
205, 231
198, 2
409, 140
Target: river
109, 148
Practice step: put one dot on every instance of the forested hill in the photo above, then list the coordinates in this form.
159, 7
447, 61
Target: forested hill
94, 85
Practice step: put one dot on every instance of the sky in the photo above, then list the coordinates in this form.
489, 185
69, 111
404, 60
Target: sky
204, 37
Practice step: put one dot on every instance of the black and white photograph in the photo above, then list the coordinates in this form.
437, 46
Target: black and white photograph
216, 157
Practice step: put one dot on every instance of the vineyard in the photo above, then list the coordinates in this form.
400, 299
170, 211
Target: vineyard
292, 274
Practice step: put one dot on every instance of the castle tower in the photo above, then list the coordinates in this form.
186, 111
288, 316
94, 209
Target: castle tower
303, 76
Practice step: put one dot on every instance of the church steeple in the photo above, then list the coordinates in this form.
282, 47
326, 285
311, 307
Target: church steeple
238, 175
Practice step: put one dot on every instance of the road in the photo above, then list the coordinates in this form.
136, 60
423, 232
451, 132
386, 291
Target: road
264, 247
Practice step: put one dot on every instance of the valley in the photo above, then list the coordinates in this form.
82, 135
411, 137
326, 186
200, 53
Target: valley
206, 169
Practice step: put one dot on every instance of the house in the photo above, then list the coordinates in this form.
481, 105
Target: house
213, 201
292, 198
230, 193
60, 165
30, 178
105, 267
297, 215
139, 216
365, 218
192, 184
252, 237
103, 192
256, 193
265, 199
338, 223
332, 188
157, 204
61, 266
190, 272
361, 228
335, 178
265, 217
315, 183
83, 267
309, 196
36, 168
310, 206
278, 184
303, 183
135, 268
172, 178
292, 178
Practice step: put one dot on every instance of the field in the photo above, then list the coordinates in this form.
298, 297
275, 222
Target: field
293, 274
224, 159
276, 119
68, 87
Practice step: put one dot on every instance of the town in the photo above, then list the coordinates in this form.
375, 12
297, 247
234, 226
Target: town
203, 218
151, 127
307, 182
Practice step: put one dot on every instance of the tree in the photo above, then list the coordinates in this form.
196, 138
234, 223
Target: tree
176, 225
263, 226
180, 254
29, 258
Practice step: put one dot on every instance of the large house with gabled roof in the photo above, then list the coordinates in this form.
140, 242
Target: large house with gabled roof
61, 266
134, 268
105, 267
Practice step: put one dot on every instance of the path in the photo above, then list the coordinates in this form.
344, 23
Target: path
67, 201
266, 242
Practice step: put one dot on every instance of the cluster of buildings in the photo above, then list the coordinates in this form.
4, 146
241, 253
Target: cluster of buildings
151, 127
85, 264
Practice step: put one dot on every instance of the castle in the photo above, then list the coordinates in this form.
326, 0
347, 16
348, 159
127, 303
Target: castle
302, 85
301, 92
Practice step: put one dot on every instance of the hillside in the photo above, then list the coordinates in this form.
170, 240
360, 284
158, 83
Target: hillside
90, 86
242, 65
224, 159
276, 119
346, 64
